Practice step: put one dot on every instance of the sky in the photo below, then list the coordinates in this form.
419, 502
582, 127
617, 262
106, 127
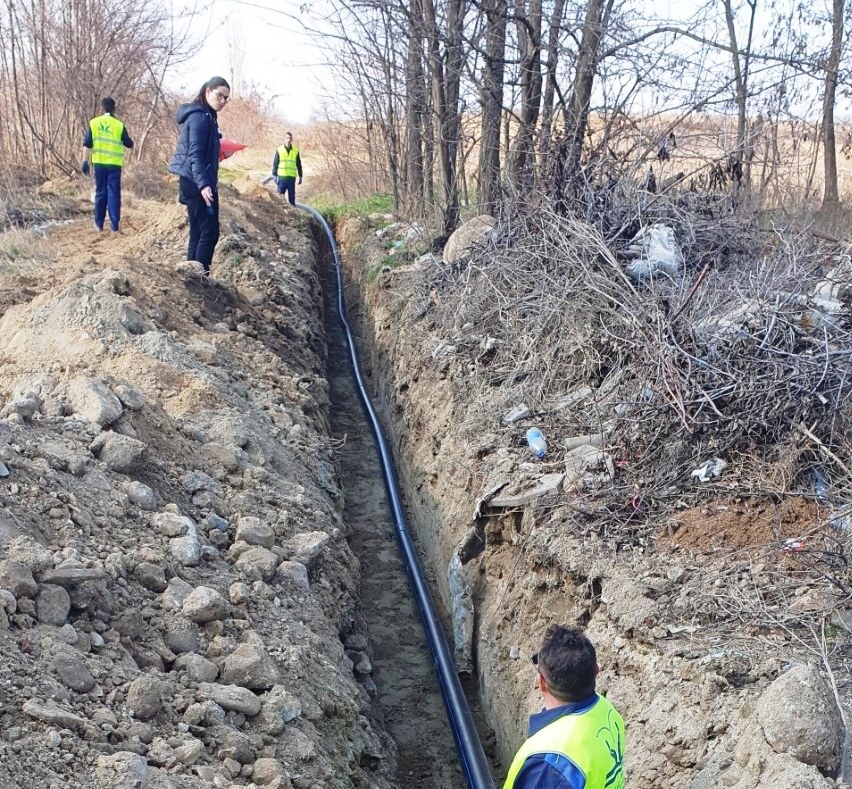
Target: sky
281, 59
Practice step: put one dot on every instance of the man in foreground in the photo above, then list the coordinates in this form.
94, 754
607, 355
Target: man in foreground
577, 741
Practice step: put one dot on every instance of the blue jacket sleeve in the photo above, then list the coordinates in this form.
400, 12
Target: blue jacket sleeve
196, 144
88, 142
275, 165
299, 164
126, 140
550, 771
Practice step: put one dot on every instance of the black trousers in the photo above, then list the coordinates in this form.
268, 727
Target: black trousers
203, 223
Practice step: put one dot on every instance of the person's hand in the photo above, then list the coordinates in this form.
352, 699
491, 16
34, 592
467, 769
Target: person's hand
207, 195
84, 167
300, 179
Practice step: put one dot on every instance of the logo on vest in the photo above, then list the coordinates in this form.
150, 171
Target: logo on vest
611, 736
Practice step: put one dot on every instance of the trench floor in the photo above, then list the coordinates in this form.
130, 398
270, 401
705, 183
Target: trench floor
408, 695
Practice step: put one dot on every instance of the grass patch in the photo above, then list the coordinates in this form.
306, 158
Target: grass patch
334, 208
17, 249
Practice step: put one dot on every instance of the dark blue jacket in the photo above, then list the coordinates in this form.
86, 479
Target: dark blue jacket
197, 154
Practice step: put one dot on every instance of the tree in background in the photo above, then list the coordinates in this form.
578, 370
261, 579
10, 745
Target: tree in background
60, 57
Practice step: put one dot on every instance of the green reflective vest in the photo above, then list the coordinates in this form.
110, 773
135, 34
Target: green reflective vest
107, 147
287, 162
592, 740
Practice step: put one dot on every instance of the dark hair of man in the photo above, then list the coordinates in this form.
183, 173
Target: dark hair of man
211, 84
108, 104
569, 663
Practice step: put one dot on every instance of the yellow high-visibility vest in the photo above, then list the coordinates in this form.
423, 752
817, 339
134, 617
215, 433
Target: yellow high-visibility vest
287, 162
107, 147
591, 742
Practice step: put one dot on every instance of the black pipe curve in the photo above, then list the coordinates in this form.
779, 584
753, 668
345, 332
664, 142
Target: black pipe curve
473, 759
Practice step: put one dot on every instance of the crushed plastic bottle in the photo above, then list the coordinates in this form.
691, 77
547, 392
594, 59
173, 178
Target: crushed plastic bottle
821, 487
536, 442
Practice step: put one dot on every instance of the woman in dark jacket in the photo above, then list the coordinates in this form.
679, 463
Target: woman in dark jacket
196, 161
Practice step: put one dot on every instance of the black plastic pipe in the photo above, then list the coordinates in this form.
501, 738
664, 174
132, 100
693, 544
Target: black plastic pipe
471, 755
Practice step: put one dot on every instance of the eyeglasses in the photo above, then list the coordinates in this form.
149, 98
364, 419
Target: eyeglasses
221, 96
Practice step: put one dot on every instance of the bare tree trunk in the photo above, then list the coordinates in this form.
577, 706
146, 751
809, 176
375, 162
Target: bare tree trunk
740, 164
415, 111
831, 197
492, 104
567, 165
528, 23
548, 99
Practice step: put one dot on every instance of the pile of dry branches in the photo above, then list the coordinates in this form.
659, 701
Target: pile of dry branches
742, 354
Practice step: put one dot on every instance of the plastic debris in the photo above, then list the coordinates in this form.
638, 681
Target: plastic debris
656, 252
536, 442
520, 411
793, 545
4, 471
820, 486
708, 470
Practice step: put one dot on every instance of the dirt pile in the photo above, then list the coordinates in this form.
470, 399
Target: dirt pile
622, 528
177, 596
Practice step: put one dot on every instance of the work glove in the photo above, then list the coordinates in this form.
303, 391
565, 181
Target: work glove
84, 168
300, 179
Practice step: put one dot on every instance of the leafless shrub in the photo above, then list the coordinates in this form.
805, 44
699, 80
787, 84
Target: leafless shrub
735, 356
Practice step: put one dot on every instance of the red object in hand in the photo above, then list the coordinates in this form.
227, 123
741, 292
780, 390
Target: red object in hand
228, 148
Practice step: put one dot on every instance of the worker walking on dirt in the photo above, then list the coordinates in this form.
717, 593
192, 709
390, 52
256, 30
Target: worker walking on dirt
105, 142
286, 166
196, 161
577, 741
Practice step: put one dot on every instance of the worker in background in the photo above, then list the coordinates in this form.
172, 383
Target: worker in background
577, 741
286, 167
105, 142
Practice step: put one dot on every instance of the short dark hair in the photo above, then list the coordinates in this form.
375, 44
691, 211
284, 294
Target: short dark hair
568, 661
108, 104
211, 84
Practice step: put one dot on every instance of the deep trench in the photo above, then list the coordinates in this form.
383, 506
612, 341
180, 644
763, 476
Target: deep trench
408, 697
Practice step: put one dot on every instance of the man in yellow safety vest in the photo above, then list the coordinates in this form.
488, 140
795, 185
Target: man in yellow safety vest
577, 741
105, 141
286, 166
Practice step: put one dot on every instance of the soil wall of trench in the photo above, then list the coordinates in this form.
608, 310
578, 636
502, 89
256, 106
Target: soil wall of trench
703, 708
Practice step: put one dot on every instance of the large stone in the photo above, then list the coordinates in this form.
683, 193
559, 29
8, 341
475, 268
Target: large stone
250, 665
182, 636
294, 572
257, 560
234, 744
151, 576
307, 546
197, 668
799, 716
475, 231
141, 495
204, 604
53, 604
145, 696
254, 531
130, 397
18, 579
93, 400
231, 697
279, 707
170, 524
266, 770
125, 768
51, 713
119, 452
186, 550
72, 672
176, 593
72, 574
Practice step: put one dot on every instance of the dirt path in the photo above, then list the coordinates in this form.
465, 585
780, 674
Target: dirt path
407, 688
